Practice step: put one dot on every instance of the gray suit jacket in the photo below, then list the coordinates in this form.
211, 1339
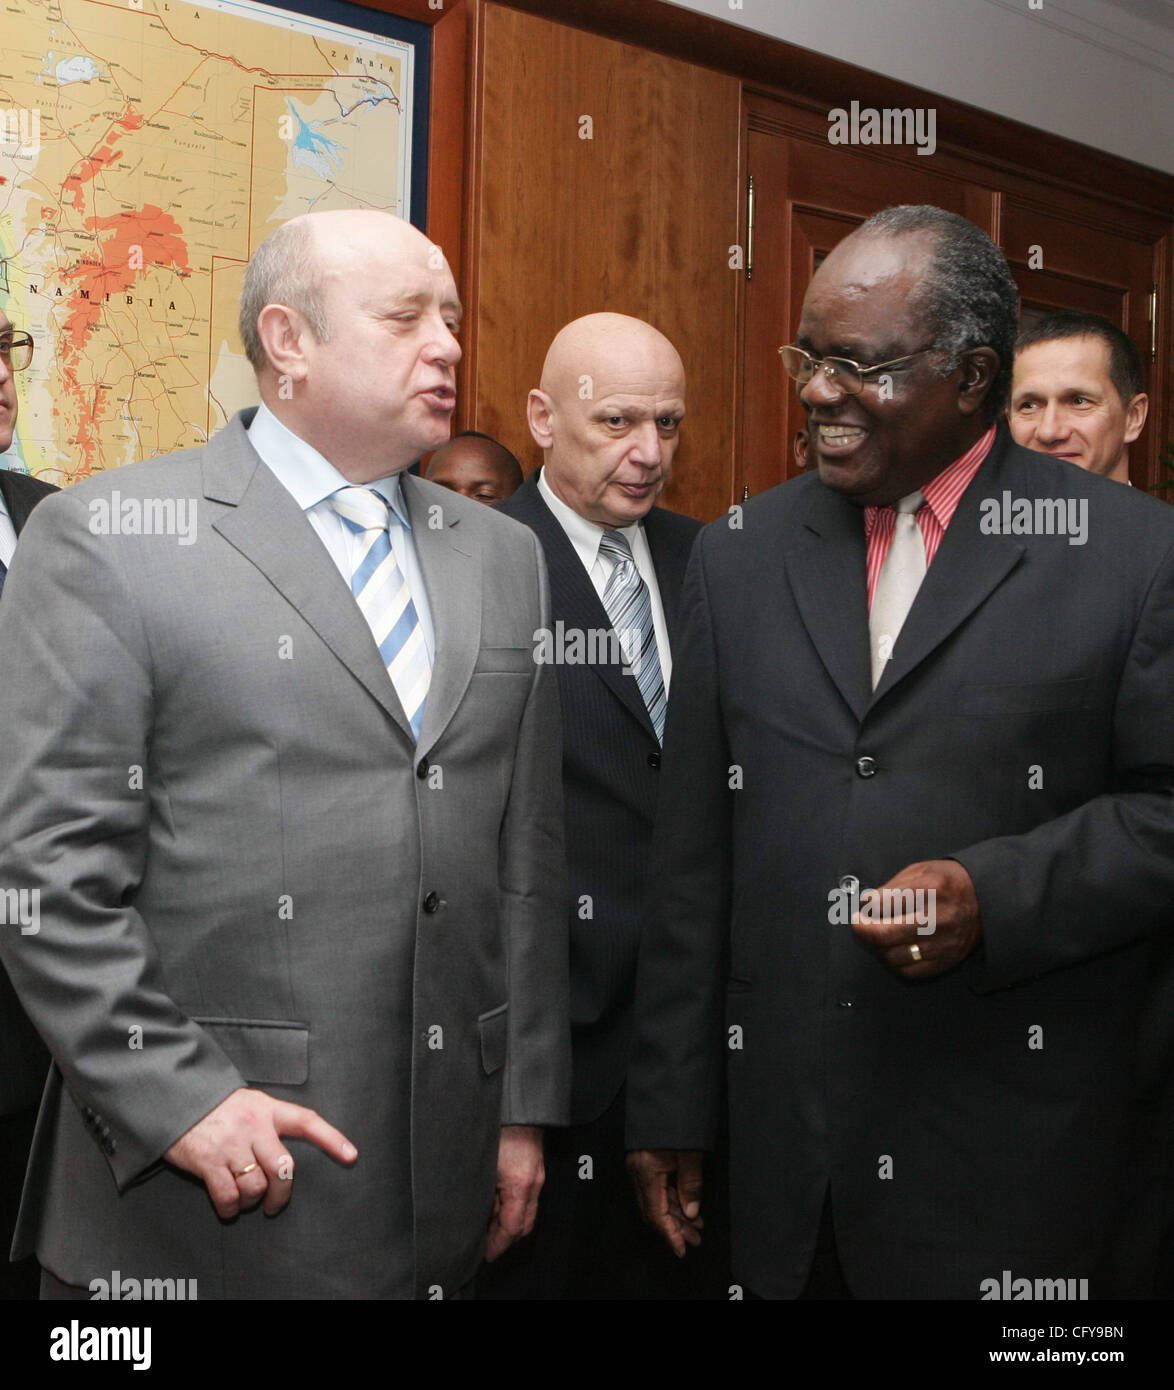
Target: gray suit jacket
248, 873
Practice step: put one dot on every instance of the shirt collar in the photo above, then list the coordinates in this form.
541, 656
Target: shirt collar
943, 492
305, 473
584, 535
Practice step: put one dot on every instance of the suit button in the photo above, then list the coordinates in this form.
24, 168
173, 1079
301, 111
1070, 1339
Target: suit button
654, 761
850, 883
422, 770
431, 902
866, 767
843, 1003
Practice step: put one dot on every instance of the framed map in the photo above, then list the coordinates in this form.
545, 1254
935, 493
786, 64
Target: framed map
146, 147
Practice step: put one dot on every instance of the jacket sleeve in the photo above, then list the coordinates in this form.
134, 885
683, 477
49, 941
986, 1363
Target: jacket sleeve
1103, 874
537, 1085
76, 709
675, 1073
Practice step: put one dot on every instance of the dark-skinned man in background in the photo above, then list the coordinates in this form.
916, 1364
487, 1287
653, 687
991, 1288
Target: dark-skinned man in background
476, 466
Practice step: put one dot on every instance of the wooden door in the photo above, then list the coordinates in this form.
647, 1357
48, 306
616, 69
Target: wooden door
808, 195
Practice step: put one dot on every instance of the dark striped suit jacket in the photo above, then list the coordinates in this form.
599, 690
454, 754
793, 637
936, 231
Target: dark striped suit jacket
611, 762
23, 1059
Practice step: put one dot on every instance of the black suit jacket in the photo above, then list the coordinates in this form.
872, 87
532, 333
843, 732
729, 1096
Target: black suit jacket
23, 1059
611, 762
975, 1122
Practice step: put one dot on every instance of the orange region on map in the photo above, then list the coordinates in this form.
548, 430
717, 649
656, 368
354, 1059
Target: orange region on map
93, 164
158, 240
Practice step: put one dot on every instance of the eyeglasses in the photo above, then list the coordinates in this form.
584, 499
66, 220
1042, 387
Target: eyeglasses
16, 349
842, 372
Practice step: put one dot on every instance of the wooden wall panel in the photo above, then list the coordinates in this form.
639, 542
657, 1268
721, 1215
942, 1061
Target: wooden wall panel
448, 132
638, 219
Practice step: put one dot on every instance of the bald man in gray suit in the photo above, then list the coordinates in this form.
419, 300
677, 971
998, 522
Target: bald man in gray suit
281, 791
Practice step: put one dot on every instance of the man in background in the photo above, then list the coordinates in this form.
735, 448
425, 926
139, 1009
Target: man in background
607, 417
281, 778
476, 466
1078, 392
23, 1059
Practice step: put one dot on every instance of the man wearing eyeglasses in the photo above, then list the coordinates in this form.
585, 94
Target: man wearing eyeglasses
916, 822
23, 1059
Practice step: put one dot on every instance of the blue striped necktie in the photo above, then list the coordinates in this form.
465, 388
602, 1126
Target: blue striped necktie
629, 606
383, 595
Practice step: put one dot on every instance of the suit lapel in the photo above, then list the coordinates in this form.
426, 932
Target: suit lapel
967, 567
17, 501
827, 574
451, 562
271, 531
572, 594
7, 491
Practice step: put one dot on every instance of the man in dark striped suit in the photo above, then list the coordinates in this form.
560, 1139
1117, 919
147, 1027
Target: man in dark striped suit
23, 1059
607, 418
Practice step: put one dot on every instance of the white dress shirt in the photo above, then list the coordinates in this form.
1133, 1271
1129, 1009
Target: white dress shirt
585, 536
311, 480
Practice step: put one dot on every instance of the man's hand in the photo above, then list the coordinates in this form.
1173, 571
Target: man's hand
520, 1175
953, 929
673, 1209
244, 1132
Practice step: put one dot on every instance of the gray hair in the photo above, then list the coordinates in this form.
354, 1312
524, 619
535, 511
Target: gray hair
968, 297
284, 269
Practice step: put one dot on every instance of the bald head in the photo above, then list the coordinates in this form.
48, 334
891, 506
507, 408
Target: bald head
599, 344
349, 318
607, 416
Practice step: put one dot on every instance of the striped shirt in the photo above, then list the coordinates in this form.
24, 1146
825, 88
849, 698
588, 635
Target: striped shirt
942, 495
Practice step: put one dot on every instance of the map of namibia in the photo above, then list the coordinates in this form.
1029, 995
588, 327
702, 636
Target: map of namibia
146, 147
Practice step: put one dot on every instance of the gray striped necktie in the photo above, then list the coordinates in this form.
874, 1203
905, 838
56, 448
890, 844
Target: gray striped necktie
383, 596
629, 606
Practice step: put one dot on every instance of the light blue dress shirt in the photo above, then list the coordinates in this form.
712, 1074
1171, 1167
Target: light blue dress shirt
311, 480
